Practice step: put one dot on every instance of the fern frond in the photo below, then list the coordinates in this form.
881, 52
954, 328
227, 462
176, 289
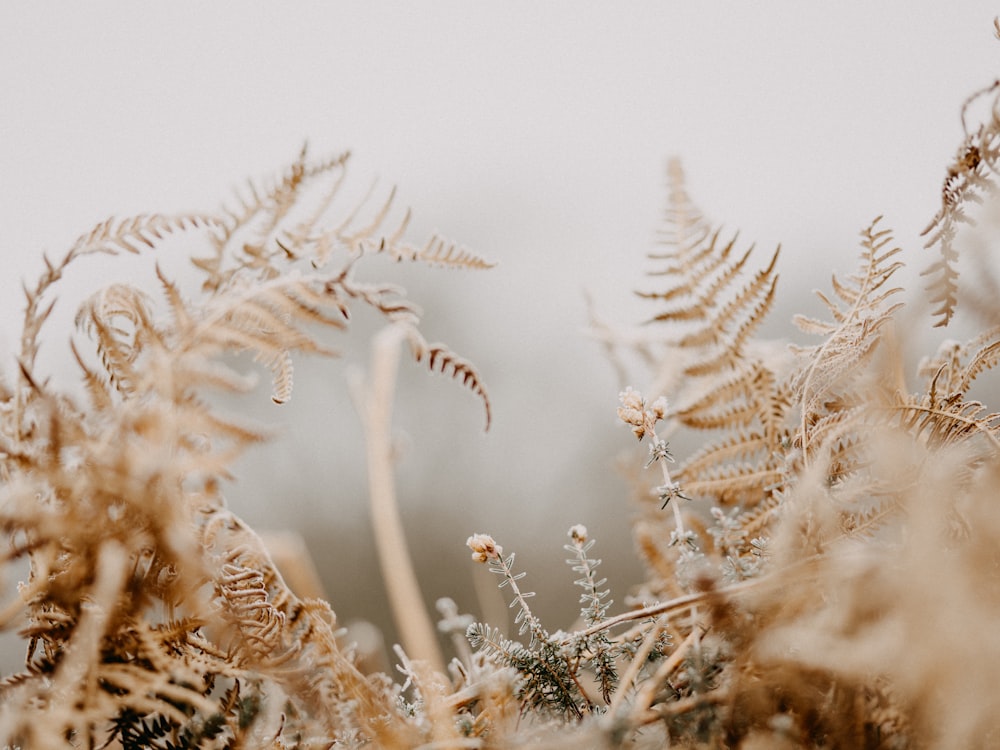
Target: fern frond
736, 484
266, 207
859, 317
835, 421
969, 179
774, 406
438, 251
705, 275
97, 387
736, 468
710, 273
117, 506
281, 389
698, 268
136, 233
387, 299
731, 402
442, 359
983, 354
947, 421
691, 250
736, 445
710, 298
748, 311
814, 326
870, 521
118, 319
684, 227
757, 520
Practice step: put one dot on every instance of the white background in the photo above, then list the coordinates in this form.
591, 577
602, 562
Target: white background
534, 133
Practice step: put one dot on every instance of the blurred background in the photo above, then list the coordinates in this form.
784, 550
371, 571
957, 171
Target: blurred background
536, 134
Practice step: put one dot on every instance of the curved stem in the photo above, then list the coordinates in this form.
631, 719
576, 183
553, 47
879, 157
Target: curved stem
374, 404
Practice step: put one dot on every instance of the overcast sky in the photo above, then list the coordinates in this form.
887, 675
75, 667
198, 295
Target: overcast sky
535, 133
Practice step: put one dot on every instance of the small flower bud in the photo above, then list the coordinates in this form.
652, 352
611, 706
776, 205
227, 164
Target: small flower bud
483, 548
631, 416
631, 398
659, 407
633, 411
578, 534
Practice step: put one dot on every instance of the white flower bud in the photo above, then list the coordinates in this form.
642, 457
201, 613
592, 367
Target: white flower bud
483, 548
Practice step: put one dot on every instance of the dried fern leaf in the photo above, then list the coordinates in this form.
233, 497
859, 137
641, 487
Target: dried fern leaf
695, 265
441, 359
136, 233
684, 226
691, 249
754, 290
690, 312
741, 470
756, 521
118, 318
737, 446
281, 389
357, 237
703, 284
194, 637
983, 354
815, 326
856, 331
947, 421
732, 402
748, 311
441, 252
869, 522
274, 205
969, 179
268, 213
736, 484
708, 274
267, 320
335, 166
97, 387
834, 422
387, 299
774, 406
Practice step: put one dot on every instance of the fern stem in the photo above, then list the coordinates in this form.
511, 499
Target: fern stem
374, 404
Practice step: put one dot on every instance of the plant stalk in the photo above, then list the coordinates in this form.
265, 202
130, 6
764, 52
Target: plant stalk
374, 404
